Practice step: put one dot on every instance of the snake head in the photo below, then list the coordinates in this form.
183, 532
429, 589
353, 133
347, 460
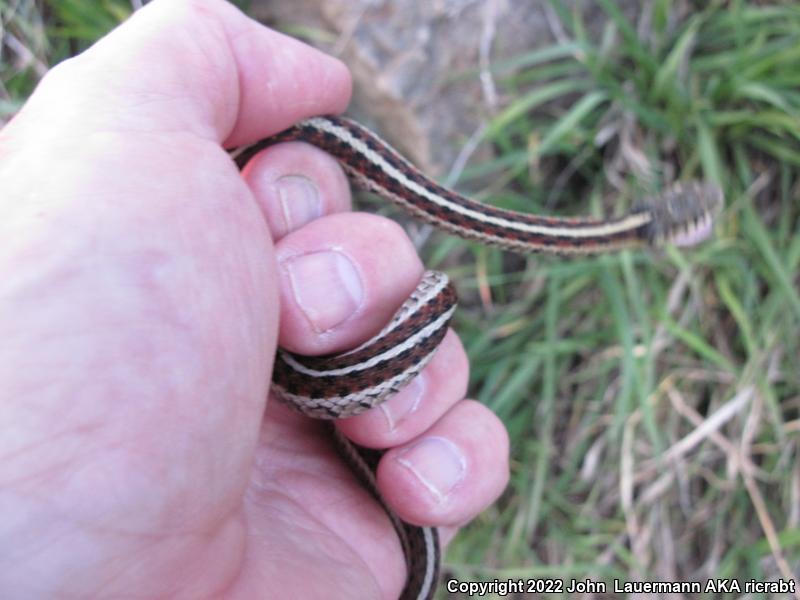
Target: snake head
683, 214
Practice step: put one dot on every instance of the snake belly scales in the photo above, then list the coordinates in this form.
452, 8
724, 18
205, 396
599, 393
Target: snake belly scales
339, 386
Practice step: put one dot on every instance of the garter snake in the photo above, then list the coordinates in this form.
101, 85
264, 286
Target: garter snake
350, 383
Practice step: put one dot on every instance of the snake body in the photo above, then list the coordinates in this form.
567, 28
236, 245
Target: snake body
350, 383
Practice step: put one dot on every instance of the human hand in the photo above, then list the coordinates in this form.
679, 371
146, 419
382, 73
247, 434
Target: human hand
140, 297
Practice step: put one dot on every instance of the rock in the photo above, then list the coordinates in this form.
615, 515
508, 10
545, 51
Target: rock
420, 68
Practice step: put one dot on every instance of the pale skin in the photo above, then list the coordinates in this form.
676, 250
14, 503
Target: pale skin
144, 285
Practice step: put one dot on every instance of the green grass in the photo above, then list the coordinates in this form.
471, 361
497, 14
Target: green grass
653, 401
618, 377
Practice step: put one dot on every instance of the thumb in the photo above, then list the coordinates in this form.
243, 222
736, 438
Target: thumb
196, 66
